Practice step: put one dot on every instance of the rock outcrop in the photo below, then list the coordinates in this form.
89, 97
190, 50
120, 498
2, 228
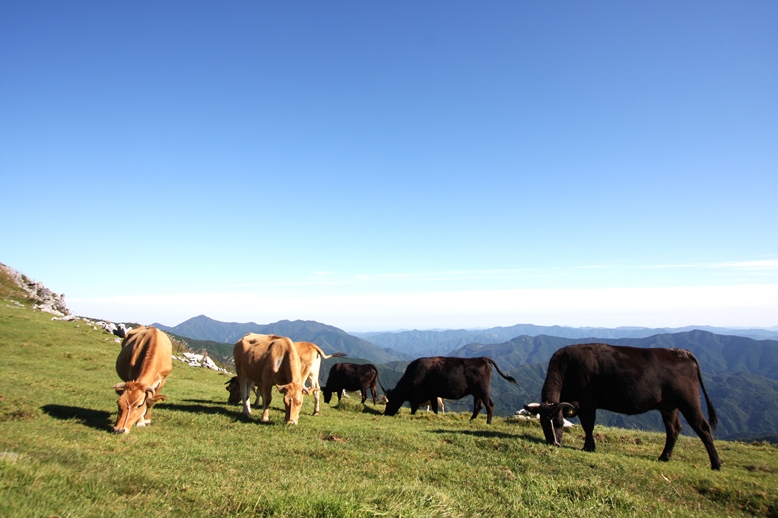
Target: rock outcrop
43, 298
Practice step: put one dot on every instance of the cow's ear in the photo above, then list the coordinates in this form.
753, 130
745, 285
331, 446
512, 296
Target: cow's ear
160, 397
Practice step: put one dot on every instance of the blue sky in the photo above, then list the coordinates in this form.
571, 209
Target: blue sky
390, 165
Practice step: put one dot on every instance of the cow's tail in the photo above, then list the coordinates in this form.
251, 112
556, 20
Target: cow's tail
327, 356
501, 373
713, 420
378, 379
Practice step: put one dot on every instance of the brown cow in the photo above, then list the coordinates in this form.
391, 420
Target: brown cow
310, 366
267, 360
143, 363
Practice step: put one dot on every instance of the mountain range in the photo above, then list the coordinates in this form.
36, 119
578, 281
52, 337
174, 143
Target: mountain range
329, 338
441, 342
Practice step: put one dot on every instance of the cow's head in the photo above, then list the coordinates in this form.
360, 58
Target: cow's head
233, 387
293, 400
393, 403
552, 418
327, 394
133, 399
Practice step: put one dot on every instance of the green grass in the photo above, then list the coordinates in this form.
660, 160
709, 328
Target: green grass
201, 458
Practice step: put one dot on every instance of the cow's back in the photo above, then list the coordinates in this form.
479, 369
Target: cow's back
247, 350
614, 378
145, 356
259, 357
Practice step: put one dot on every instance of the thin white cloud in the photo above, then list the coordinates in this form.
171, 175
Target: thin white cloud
741, 305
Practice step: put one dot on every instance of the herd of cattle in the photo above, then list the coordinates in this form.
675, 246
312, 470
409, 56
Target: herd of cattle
580, 379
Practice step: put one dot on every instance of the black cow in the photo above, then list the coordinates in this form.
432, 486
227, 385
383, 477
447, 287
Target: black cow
351, 376
426, 379
627, 380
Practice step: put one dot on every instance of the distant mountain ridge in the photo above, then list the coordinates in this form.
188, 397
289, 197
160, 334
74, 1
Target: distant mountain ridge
329, 338
442, 342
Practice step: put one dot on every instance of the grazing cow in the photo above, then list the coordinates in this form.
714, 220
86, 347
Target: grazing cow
451, 378
143, 363
351, 376
310, 366
627, 380
267, 360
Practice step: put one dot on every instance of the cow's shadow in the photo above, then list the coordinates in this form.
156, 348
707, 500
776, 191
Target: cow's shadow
371, 410
204, 406
489, 434
97, 419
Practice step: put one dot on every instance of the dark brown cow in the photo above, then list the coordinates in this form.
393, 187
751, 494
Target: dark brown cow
351, 376
426, 379
627, 380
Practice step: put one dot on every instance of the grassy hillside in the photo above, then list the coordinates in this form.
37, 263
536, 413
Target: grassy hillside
201, 458
9, 291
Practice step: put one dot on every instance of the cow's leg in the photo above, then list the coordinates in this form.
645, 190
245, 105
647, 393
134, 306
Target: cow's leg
433, 405
477, 405
267, 397
364, 390
245, 395
414, 407
489, 410
146, 418
256, 401
693, 415
316, 400
373, 392
673, 428
587, 418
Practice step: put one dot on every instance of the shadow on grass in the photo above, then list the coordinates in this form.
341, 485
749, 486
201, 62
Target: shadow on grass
493, 435
373, 411
202, 406
97, 419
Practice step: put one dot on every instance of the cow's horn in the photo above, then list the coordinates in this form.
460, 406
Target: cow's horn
567, 409
119, 386
151, 389
532, 407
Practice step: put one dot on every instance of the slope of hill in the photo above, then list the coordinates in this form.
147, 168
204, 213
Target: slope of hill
329, 338
59, 459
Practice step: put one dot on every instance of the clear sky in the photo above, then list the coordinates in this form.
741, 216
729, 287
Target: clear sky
394, 165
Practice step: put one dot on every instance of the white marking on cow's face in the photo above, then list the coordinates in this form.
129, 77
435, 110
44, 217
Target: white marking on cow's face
132, 408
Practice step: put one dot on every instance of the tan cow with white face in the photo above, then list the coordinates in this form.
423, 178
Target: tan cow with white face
143, 363
310, 367
264, 361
